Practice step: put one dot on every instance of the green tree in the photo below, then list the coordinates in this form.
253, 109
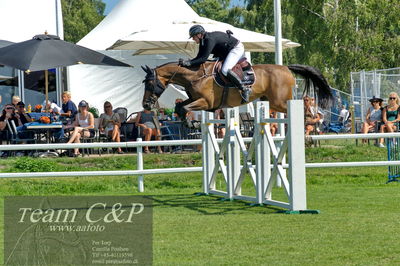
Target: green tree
219, 10
80, 17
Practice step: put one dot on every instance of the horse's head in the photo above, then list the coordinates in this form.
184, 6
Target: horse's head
153, 88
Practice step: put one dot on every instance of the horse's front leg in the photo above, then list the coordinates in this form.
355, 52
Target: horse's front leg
197, 105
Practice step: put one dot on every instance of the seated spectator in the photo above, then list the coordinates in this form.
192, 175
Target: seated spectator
110, 124
23, 116
51, 107
69, 109
162, 116
193, 119
83, 125
220, 128
311, 115
15, 100
373, 119
273, 126
318, 125
9, 115
390, 116
145, 121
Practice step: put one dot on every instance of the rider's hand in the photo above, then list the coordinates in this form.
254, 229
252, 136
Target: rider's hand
184, 63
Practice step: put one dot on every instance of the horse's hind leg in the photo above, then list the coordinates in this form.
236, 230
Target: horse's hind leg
199, 104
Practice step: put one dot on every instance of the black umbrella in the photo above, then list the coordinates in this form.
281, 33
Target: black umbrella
45, 51
4, 43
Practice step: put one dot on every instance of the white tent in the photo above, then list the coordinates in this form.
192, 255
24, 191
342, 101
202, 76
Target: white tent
172, 38
123, 87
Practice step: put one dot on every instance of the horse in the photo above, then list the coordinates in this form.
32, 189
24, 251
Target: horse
273, 83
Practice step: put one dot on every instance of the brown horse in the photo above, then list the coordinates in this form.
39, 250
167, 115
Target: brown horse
273, 83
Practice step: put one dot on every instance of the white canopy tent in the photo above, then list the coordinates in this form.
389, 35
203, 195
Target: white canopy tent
172, 38
150, 22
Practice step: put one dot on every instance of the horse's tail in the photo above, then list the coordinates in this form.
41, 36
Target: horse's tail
321, 86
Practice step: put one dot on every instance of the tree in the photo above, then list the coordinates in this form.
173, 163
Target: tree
80, 17
217, 10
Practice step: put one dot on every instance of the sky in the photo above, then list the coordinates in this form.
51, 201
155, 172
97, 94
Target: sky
111, 3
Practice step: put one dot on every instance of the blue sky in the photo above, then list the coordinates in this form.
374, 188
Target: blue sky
111, 3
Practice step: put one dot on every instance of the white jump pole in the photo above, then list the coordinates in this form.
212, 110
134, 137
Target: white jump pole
208, 158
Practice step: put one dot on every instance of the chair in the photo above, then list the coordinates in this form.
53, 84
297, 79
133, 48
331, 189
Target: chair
247, 123
20, 137
166, 133
94, 137
123, 113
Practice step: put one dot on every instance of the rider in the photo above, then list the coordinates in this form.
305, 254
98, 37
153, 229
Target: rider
222, 45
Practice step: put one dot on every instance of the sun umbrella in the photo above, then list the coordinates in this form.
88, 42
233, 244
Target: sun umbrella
4, 43
46, 51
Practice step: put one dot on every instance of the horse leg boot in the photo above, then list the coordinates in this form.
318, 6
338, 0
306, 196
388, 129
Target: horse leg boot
246, 91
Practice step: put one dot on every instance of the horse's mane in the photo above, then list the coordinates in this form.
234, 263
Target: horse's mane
174, 62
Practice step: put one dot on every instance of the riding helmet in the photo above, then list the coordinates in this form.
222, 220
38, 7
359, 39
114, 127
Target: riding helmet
196, 29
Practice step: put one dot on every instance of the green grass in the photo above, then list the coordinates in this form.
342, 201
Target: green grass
357, 224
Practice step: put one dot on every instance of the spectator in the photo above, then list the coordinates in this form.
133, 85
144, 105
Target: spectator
390, 116
318, 125
145, 121
15, 100
177, 109
344, 114
69, 109
373, 119
220, 128
110, 124
162, 116
23, 116
9, 115
51, 107
311, 115
273, 126
83, 125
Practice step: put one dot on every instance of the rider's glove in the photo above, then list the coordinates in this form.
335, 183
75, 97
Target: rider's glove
185, 63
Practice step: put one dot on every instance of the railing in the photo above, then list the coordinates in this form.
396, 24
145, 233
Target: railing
140, 144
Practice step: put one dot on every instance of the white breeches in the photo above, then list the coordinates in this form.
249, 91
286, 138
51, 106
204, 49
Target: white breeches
233, 57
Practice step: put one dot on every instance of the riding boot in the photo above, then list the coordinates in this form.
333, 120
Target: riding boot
246, 91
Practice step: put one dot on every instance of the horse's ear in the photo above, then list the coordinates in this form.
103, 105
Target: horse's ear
144, 69
149, 70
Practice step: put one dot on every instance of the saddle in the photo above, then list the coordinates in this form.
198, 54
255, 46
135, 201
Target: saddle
243, 69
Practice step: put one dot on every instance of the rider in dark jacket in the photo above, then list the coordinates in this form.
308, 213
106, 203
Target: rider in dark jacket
222, 45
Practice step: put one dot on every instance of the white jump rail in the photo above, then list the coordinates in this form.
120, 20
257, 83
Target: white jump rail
263, 175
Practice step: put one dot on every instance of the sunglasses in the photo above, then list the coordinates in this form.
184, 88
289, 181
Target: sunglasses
392, 98
21, 106
10, 108
108, 106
